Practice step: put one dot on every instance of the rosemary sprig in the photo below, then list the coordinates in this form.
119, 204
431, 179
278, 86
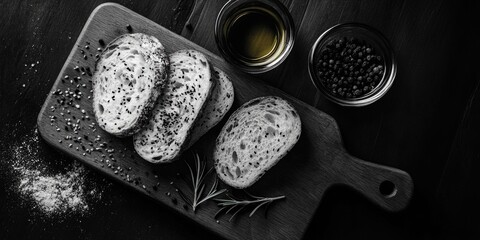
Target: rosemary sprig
236, 205
197, 176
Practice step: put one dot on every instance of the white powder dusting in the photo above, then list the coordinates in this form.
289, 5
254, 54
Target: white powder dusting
51, 193
54, 194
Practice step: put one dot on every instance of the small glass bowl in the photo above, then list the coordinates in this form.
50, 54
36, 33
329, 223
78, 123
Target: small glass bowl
274, 6
371, 37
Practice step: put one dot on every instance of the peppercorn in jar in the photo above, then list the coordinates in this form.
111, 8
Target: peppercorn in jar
352, 64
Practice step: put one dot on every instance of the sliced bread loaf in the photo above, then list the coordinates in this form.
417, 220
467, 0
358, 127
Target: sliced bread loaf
126, 82
217, 106
255, 138
188, 87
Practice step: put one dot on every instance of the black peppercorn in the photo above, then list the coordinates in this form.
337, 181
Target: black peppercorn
349, 68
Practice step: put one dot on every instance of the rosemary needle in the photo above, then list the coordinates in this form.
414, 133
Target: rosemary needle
197, 177
232, 203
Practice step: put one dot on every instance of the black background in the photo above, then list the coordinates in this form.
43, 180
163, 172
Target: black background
428, 124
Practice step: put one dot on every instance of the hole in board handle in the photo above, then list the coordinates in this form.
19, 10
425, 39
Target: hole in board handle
388, 189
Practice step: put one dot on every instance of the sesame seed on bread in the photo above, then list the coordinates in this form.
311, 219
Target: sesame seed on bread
182, 100
126, 82
217, 106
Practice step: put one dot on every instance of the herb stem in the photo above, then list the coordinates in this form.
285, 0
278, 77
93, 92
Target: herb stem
198, 176
227, 202
236, 205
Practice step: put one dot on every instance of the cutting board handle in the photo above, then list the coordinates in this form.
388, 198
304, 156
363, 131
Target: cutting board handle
390, 188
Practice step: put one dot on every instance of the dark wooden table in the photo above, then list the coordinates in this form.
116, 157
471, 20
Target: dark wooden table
428, 124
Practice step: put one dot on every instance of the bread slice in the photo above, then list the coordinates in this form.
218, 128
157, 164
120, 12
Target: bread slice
188, 87
217, 106
254, 139
126, 82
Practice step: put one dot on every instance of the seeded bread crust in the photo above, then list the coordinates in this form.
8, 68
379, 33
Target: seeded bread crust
126, 83
254, 139
188, 87
217, 106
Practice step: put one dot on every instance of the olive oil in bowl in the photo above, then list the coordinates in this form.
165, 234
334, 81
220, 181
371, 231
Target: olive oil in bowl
254, 35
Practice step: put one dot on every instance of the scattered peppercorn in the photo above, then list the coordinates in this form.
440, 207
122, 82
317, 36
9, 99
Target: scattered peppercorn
129, 28
349, 68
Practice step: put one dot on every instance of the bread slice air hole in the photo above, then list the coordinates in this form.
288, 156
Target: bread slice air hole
100, 107
234, 156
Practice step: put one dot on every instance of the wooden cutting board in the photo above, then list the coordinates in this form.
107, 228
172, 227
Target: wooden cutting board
317, 162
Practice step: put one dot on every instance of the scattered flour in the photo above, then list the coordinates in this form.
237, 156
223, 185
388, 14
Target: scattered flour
52, 193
